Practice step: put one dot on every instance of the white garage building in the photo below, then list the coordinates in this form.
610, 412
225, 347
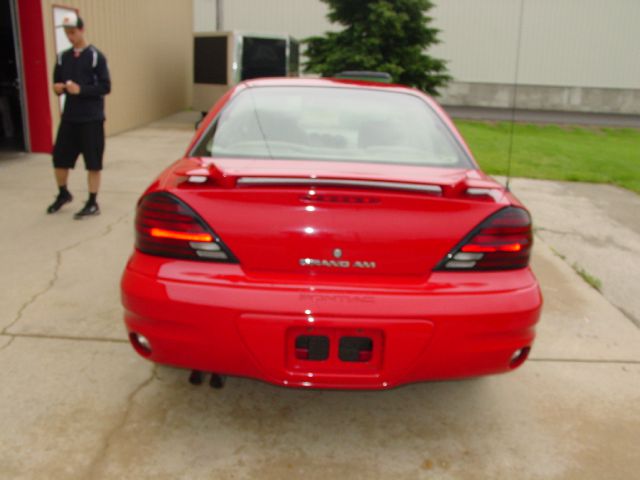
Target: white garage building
566, 55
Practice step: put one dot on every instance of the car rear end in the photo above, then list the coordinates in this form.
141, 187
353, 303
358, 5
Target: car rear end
323, 273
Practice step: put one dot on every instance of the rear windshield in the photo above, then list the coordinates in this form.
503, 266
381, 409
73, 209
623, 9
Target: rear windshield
333, 124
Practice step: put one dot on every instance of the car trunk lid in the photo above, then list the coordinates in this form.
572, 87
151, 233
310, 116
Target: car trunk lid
328, 219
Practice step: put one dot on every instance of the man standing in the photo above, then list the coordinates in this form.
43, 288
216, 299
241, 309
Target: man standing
82, 74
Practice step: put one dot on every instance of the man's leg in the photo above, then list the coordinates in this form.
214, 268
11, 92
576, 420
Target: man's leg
91, 208
62, 176
64, 195
92, 151
93, 180
65, 153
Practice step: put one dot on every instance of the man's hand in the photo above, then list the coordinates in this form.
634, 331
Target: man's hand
72, 87
58, 88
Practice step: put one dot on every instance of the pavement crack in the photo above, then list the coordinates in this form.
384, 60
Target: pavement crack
557, 232
37, 295
629, 315
8, 343
98, 463
56, 269
109, 228
594, 240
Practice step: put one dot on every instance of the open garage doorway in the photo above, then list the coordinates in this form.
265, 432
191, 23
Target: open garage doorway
12, 131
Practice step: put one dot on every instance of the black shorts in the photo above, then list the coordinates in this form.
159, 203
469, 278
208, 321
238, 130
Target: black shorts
76, 138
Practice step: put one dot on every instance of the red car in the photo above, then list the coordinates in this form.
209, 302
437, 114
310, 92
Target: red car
330, 233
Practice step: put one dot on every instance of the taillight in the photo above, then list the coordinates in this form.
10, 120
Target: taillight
167, 227
502, 242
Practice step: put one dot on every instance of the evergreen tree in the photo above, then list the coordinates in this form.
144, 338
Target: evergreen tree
380, 35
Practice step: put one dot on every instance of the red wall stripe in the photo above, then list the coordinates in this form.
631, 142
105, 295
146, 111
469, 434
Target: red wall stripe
36, 78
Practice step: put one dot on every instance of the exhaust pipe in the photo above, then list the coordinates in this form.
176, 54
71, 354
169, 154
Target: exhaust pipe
217, 381
196, 377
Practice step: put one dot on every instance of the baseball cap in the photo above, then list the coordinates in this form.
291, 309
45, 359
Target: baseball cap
71, 20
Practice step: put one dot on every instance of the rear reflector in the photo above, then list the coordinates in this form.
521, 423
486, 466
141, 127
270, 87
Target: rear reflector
501, 242
167, 227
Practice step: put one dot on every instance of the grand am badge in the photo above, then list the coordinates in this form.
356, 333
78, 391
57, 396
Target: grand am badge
318, 262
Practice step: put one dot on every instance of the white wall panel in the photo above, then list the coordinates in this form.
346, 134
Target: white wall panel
586, 43
204, 16
299, 18
478, 38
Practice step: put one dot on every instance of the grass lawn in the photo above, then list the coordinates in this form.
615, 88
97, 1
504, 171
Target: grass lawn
585, 154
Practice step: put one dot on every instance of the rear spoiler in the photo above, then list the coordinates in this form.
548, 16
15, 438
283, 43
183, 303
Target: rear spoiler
335, 182
197, 172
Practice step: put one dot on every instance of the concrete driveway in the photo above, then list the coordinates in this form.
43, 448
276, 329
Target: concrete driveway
77, 402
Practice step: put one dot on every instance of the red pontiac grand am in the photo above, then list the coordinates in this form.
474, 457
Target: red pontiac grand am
328, 233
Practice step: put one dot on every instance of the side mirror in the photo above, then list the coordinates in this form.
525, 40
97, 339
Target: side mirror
197, 124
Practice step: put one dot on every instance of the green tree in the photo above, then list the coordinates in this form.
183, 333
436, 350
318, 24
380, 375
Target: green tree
380, 35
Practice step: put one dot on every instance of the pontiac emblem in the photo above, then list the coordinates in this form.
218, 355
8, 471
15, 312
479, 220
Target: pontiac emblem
337, 253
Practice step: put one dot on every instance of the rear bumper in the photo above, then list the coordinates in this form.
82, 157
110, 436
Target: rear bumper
460, 325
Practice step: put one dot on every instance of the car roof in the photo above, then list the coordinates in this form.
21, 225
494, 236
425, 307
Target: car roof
326, 82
